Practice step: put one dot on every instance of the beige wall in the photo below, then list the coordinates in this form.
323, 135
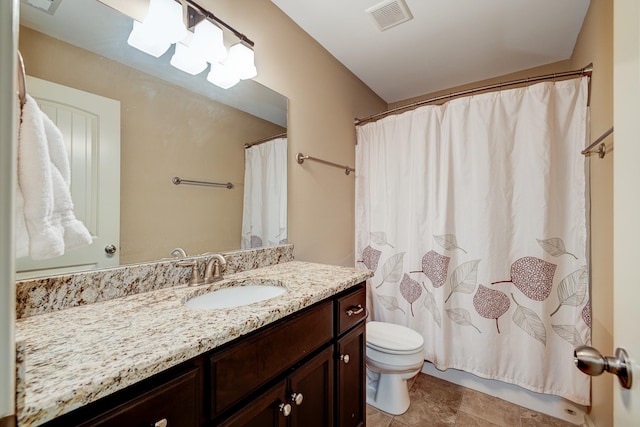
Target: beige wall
324, 98
594, 45
166, 131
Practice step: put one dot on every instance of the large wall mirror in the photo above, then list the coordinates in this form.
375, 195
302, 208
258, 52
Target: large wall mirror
171, 124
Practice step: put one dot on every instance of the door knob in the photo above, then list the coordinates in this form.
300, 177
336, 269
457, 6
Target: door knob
591, 362
110, 249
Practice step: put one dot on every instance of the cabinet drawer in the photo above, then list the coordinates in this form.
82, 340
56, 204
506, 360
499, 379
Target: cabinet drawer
351, 309
240, 369
176, 401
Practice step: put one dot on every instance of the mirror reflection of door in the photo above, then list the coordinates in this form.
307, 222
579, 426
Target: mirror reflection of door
90, 125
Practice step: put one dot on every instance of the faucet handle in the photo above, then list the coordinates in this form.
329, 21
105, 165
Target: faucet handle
195, 279
215, 265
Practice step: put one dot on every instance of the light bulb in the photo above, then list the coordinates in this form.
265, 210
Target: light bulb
161, 27
241, 58
188, 59
222, 76
208, 41
142, 40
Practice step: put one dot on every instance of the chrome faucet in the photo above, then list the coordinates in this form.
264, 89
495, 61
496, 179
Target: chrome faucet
215, 266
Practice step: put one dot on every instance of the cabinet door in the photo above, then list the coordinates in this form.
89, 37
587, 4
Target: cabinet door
310, 392
350, 399
268, 410
174, 403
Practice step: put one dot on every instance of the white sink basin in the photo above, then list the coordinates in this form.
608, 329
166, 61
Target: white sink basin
235, 296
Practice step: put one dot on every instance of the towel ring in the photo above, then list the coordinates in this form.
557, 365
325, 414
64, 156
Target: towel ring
22, 84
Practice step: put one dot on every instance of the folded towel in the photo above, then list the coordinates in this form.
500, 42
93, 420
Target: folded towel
34, 182
74, 233
43, 204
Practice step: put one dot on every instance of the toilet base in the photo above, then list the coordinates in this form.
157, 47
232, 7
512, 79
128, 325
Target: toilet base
388, 392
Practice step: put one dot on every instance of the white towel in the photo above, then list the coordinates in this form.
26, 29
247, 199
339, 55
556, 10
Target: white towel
43, 203
74, 233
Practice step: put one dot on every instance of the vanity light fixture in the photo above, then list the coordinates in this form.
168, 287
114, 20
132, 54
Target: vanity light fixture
166, 24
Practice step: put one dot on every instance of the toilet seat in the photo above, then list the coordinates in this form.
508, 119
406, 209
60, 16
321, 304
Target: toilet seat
393, 339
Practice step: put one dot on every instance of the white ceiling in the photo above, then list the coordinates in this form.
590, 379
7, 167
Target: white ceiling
447, 43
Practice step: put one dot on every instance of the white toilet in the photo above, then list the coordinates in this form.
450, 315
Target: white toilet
395, 354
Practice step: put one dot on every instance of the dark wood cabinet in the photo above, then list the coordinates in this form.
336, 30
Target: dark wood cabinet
287, 374
303, 399
314, 381
350, 373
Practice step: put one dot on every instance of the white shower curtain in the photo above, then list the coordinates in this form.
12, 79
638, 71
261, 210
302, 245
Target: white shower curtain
473, 216
264, 219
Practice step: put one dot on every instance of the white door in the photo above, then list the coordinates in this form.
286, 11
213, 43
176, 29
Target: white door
627, 203
90, 125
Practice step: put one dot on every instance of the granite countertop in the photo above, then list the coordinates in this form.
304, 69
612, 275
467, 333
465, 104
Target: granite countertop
78, 355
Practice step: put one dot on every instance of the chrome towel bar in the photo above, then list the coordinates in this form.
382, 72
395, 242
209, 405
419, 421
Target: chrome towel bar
602, 148
177, 181
301, 158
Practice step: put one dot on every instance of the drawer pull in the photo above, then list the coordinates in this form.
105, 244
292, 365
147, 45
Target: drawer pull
297, 398
285, 408
344, 358
355, 310
162, 423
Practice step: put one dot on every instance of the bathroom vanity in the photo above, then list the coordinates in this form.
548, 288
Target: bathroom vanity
294, 360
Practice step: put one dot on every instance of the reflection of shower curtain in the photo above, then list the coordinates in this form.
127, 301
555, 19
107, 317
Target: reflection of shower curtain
473, 216
264, 216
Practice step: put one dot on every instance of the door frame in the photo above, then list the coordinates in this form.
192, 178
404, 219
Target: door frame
9, 18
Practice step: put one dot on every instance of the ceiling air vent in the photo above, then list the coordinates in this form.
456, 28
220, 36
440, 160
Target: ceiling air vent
48, 6
390, 13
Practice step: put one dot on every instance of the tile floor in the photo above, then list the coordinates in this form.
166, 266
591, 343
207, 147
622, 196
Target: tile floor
435, 402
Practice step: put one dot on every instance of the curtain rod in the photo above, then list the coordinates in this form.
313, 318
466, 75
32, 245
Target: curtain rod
301, 158
586, 71
267, 139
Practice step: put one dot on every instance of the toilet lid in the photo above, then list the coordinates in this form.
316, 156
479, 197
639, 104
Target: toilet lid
393, 337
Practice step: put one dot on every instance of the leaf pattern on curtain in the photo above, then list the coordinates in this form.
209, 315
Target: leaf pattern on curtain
435, 267
555, 247
569, 333
256, 241
462, 317
370, 258
448, 242
390, 303
464, 278
410, 290
432, 306
483, 196
491, 304
586, 313
527, 320
533, 276
392, 269
380, 238
572, 290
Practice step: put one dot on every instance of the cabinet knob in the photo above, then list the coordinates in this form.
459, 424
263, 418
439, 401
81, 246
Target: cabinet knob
297, 398
344, 358
162, 423
357, 309
110, 249
285, 408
